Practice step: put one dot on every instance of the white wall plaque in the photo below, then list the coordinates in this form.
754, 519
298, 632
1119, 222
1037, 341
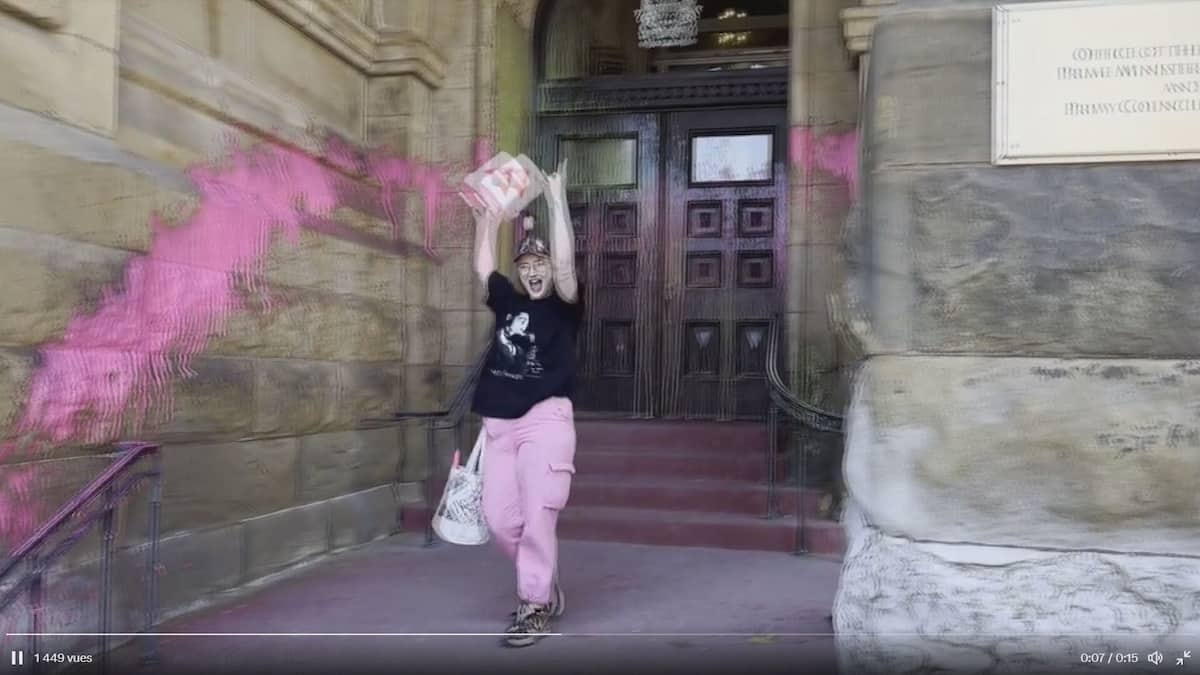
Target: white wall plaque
1095, 81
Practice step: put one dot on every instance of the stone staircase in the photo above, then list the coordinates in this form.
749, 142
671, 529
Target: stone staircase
680, 484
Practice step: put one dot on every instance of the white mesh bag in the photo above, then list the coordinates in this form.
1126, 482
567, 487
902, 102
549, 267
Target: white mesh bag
459, 516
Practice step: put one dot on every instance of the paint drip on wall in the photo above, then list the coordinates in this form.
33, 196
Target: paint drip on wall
835, 153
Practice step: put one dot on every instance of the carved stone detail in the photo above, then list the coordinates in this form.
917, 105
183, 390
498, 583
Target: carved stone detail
858, 24
371, 51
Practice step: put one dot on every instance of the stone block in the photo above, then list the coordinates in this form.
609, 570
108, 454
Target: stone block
284, 538
96, 21
396, 95
423, 282
415, 460
424, 387
309, 324
454, 24
905, 606
368, 389
47, 280
295, 396
819, 50
300, 397
322, 263
391, 133
1074, 454
267, 49
188, 23
218, 397
164, 130
214, 484
818, 214
423, 335
363, 516
1033, 260
453, 143
466, 334
814, 271
195, 565
930, 87
16, 368
460, 72
824, 98
68, 75
342, 462
79, 200
461, 288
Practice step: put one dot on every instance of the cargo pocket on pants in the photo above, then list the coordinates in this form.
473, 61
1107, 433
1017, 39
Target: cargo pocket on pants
558, 485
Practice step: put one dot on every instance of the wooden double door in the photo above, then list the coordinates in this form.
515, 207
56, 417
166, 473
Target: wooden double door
681, 229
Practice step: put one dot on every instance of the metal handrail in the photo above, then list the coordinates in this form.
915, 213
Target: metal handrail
101, 496
784, 401
450, 417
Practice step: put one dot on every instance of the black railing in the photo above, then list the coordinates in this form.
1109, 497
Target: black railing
97, 502
453, 416
799, 412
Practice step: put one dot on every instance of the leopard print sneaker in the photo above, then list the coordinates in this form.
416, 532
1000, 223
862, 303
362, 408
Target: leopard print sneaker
532, 624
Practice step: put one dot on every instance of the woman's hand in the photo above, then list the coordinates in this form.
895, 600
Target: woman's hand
556, 185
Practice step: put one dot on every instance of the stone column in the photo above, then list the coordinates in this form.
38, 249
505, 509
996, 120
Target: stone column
1023, 445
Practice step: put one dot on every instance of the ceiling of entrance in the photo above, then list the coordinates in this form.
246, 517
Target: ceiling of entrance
598, 38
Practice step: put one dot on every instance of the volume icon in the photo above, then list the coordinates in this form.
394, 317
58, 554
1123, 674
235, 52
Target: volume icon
1155, 657
18, 657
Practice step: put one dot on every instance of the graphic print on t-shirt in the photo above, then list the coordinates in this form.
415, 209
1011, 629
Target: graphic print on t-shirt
516, 353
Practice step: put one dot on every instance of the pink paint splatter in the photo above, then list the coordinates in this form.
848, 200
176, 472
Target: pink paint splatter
111, 373
834, 153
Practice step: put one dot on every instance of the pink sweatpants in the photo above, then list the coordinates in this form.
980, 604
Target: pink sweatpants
527, 470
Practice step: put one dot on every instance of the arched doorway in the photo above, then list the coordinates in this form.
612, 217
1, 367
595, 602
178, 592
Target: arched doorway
677, 183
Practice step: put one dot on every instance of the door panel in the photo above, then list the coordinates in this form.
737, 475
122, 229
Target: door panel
725, 235
613, 183
681, 229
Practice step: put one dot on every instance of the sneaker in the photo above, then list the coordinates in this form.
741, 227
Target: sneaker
517, 616
532, 624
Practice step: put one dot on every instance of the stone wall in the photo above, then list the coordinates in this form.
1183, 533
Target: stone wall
111, 105
1023, 441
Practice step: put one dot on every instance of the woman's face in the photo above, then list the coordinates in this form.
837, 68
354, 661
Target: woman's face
535, 276
520, 323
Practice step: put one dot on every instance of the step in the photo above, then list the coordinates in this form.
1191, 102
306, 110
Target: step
693, 482
709, 530
677, 528
701, 495
646, 463
671, 434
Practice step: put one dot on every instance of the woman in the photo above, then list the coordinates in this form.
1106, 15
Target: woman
523, 396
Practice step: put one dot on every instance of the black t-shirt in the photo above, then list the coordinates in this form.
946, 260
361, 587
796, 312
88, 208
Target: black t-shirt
532, 356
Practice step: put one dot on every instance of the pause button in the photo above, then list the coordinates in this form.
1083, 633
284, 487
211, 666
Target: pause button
18, 658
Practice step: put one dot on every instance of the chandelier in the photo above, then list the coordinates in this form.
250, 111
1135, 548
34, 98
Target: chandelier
667, 23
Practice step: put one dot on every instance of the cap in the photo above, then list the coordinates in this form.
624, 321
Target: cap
531, 244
